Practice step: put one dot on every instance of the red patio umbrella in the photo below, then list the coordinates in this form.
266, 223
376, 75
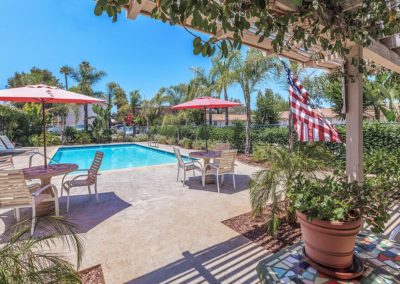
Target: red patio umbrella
45, 94
206, 103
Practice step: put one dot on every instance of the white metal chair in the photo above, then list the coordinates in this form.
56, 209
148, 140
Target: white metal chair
88, 179
226, 165
186, 166
15, 193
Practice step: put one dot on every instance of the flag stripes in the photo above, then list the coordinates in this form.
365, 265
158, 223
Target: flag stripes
309, 125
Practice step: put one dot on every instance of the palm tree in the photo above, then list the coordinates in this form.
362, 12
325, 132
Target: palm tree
134, 100
28, 259
204, 85
86, 76
66, 70
249, 73
147, 112
223, 74
177, 94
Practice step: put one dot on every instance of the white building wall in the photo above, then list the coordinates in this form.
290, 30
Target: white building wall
71, 119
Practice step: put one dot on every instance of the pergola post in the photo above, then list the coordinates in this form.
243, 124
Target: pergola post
354, 116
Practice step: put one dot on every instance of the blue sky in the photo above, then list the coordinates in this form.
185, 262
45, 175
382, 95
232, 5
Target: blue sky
144, 54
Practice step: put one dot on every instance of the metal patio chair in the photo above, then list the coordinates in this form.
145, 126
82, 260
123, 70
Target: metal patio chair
226, 165
186, 166
88, 179
16, 194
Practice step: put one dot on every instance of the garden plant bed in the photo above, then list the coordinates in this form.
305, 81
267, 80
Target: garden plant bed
254, 229
250, 161
92, 275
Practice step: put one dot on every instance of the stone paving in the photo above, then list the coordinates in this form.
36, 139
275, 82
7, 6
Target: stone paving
148, 228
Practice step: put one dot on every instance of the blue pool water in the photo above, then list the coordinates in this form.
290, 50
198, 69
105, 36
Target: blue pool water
115, 156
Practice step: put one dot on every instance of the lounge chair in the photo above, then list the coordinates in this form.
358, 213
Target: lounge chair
186, 166
5, 151
88, 179
226, 165
6, 163
8, 147
15, 193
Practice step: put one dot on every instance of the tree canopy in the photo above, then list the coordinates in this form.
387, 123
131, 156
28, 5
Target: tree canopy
329, 24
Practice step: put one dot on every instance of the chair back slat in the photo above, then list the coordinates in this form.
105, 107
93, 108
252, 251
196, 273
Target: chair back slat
227, 161
7, 142
222, 146
6, 163
13, 189
94, 168
179, 156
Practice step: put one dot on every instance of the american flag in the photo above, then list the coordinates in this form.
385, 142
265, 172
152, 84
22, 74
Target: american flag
309, 125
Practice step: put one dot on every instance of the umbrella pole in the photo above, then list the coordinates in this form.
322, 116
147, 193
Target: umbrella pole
205, 121
44, 134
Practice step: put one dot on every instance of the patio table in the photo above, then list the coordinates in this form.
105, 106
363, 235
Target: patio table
206, 156
45, 175
380, 256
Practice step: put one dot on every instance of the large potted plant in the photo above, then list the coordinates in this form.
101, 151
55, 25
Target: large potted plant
331, 210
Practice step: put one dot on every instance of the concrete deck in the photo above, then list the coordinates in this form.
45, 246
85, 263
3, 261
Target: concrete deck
148, 228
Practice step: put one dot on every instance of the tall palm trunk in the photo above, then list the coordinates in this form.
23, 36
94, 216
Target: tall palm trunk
66, 81
247, 149
86, 117
210, 116
226, 109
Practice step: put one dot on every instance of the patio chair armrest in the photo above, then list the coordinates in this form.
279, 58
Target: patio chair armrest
198, 163
78, 170
79, 176
40, 190
213, 166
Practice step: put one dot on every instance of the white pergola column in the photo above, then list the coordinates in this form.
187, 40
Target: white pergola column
354, 116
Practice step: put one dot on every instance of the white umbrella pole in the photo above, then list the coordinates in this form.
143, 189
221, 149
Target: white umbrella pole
44, 134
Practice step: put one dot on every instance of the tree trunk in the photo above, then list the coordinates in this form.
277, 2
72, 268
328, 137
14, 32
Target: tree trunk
66, 81
226, 109
377, 113
209, 116
85, 117
247, 149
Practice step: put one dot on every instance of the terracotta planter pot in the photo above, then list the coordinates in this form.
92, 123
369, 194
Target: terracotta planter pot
329, 243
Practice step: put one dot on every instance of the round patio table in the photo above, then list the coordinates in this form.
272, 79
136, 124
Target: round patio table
206, 156
45, 175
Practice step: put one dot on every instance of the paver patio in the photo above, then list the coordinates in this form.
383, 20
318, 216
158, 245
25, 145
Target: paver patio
148, 228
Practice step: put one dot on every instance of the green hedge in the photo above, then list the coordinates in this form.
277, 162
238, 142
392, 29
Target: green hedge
376, 136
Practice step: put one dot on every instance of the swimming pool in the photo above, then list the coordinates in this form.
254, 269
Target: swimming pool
116, 156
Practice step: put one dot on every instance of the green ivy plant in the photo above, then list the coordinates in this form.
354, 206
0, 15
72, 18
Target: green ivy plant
333, 198
325, 22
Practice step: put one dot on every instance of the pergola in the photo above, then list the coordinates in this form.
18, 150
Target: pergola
384, 52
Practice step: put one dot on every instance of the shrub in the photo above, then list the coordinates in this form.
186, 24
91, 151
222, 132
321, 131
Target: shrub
117, 138
161, 139
186, 143
170, 141
83, 137
199, 144
51, 140
69, 134
140, 138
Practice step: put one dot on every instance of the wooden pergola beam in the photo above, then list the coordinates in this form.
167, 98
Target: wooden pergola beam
382, 55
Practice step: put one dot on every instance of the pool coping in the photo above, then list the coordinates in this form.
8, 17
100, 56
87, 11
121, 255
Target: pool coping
56, 148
